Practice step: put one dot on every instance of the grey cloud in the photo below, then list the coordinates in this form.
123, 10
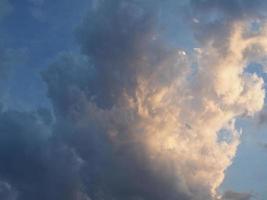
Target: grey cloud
71, 156
32, 164
7, 192
236, 9
232, 195
70, 71
105, 172
263, 145
262, 117
118, 44
116, 37
116, 40
215, 18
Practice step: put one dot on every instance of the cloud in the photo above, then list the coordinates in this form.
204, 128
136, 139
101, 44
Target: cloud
7, 192
133, 118
33, 165
261, 117
216, 18
146, 123
232, 195
232, 9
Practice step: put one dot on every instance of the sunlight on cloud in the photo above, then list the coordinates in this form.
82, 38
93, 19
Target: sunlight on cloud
167, 116
175, 123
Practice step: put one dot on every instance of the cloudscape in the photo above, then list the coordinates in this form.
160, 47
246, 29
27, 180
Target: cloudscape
133, 100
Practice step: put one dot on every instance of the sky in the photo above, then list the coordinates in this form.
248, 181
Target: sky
133, 100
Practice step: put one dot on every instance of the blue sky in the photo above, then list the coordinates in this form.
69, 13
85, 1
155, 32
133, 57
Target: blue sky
93, 82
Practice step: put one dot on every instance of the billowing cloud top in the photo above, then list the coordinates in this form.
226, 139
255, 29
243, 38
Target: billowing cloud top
135, 118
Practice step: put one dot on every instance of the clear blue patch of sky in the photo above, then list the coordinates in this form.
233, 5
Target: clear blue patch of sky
248, 171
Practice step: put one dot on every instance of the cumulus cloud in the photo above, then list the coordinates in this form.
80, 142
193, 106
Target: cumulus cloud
32, 164
148, 122
136, 119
